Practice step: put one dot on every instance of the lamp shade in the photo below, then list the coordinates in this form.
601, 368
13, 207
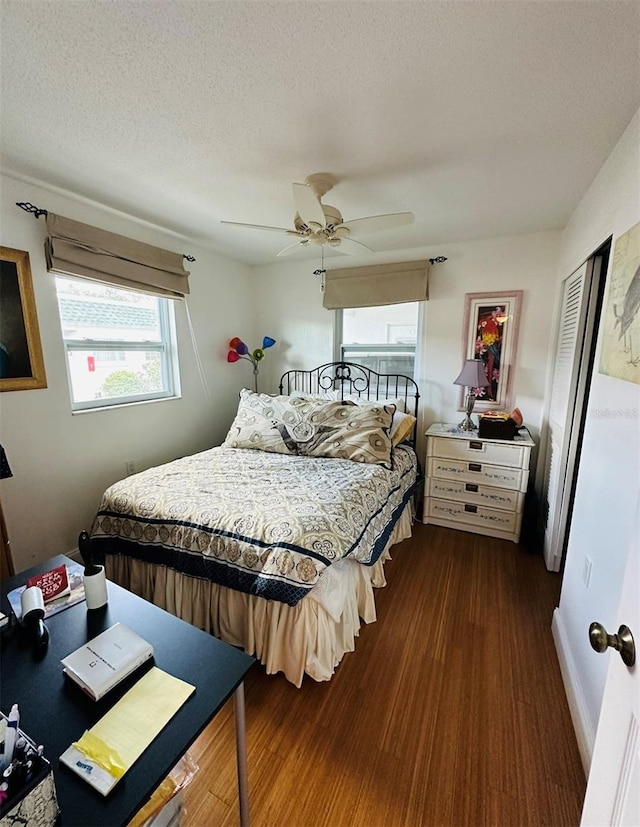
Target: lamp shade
472, 375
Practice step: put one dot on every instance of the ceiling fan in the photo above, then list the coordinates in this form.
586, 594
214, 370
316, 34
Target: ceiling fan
316, 223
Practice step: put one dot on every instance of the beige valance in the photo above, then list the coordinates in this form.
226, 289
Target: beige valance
405, 281
77, 249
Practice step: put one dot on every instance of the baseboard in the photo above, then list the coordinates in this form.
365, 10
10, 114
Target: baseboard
585, 734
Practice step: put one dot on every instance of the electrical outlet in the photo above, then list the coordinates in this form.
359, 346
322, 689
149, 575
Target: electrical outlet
131, 467
586, 572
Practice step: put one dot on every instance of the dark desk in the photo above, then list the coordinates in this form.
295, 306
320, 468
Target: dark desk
55, 712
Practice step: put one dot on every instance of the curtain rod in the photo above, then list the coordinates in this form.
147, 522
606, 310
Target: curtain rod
436, 260
37, 212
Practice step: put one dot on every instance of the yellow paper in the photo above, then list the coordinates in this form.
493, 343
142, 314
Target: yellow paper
133, 723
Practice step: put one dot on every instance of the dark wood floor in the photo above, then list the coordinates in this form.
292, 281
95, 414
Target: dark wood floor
451, 711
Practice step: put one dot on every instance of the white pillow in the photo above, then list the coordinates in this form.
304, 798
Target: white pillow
362, 400
331, 396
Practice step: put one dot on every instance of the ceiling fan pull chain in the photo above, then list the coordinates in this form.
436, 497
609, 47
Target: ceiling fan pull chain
321, 272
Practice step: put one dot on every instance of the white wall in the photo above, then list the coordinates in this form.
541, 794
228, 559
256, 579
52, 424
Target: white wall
291, 311
609, 472
62, 462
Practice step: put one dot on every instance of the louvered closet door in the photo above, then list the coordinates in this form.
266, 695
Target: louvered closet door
569, 350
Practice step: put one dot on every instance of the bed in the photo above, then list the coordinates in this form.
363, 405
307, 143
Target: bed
275, 540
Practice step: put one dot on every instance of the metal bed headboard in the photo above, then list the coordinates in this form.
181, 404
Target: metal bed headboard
350, 379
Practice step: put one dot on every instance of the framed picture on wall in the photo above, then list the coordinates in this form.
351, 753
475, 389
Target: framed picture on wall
21, 363
490, 334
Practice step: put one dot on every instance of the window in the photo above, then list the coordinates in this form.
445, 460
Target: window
380, 338
120, 344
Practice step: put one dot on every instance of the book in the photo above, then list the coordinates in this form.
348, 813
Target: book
75, 573
52, 584
99, 665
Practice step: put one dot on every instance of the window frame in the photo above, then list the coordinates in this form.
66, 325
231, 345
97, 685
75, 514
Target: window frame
339, 344
167, 347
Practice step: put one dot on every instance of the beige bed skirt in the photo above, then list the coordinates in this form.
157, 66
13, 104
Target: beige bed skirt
310, 638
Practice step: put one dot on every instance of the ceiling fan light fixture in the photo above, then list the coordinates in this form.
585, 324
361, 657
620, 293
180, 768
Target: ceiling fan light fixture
332, 215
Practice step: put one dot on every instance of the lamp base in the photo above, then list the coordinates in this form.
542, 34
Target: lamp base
467, 423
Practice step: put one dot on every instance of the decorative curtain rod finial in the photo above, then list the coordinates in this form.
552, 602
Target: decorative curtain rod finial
438, 260
28, 207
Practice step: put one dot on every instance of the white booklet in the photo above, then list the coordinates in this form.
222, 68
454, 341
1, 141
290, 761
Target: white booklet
100, 664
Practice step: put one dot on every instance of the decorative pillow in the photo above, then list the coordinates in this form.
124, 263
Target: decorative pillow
312, 427
265, 423
402, 423
347, 431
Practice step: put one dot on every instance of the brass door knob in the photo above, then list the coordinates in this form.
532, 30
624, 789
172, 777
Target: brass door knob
622, 642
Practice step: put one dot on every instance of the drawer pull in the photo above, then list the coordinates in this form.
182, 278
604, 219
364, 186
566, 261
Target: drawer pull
475, 446
470, 486
475, 466
472, 509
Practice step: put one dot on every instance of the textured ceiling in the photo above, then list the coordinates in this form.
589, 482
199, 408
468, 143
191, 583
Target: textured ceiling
482, 118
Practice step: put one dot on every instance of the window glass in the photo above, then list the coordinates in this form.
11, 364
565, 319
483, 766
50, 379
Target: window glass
120, 344
381, 338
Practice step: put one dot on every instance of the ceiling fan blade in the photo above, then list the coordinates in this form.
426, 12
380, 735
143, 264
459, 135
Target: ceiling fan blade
308, 205
256, 226
291, 247
347, 242
378, 223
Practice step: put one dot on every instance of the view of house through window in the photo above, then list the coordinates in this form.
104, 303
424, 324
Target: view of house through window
119, 343
381, 338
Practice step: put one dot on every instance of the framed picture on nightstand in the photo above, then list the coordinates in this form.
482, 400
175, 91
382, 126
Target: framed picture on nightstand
490, 334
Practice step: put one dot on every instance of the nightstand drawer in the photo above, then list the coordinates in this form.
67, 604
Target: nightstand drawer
477, 450
478, 472
474, 494
474, 515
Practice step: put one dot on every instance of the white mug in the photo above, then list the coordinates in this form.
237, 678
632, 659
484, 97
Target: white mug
95, 589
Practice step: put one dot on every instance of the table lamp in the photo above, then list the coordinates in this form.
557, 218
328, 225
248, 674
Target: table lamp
473, 375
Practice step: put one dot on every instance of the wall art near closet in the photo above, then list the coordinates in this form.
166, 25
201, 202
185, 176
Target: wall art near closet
620, 356
21, 364
490, 334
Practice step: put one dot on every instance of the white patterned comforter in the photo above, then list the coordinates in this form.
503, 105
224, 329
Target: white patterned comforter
262, 523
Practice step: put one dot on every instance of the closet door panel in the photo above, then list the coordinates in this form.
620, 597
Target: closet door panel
568, 357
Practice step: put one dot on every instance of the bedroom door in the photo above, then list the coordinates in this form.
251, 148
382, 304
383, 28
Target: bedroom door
578, 319
614, 778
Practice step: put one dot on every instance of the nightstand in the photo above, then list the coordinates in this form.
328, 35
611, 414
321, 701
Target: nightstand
475, 484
